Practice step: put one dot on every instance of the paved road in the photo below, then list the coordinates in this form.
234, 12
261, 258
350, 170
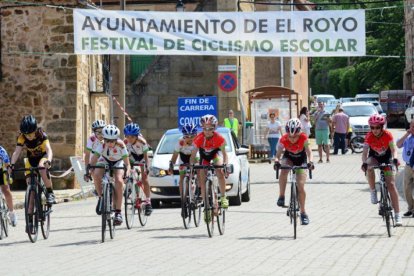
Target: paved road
346, 236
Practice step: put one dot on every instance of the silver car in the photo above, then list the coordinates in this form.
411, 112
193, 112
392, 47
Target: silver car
164, 187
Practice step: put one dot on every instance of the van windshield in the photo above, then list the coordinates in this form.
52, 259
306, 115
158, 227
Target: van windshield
360, 110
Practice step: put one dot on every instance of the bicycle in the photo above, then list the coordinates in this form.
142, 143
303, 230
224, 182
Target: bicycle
356, 143
107, 209
190, 198
36, 208
293, 208
212, 208
4, 214
135, 197
385, 209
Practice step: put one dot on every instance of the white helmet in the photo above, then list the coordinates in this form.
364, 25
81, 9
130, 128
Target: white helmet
208, 120
110, 132
98, 124
293, 126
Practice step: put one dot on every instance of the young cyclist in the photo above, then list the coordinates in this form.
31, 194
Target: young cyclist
112, 152
294, 145
379, 147
212, 148
138, 148
4, 184
93, 141
183, 150
39, 152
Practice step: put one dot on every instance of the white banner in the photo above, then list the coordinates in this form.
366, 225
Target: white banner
297, 33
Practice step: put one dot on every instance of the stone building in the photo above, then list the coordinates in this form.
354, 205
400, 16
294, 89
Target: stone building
154, 83
40, 75
409, 45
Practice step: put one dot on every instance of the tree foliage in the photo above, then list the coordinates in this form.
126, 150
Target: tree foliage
347, 76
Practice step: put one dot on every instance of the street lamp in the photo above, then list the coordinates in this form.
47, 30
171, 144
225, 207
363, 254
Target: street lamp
180, 6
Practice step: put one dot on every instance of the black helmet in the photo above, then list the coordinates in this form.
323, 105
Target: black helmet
28, 124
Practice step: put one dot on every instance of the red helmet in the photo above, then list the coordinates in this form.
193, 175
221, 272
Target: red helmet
208, 120
376, 119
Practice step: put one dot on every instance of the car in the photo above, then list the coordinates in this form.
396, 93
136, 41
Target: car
324, 97
359, 113
378, 106
164, 187
366, 97
409, 113
346, 100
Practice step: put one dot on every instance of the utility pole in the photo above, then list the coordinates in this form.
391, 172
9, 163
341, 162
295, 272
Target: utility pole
121, 123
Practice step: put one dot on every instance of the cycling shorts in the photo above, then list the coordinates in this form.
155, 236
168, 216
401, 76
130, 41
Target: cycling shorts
32, 162
297, 159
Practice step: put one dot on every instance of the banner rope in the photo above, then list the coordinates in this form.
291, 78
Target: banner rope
122, 109
70, 170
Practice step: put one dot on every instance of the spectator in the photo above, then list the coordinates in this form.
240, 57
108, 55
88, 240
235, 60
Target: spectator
232, 123
407, 143
322, 130
340, 123
305, 120
273, 133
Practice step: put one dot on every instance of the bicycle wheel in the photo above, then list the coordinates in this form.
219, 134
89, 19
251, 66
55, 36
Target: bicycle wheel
357, 144
221, 220
141, 206
104, 209
4, 220
386, 209
185, 203
31, 213
45, 219
197, 201
208, 208
294, 208
129, 203
111, 215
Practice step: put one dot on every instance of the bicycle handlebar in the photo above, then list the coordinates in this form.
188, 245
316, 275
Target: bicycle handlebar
109, 168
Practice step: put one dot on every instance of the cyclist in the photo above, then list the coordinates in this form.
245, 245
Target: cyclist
379, 147
294, 145
183, 150
39, 152
4, 184
212, 147
112, 152
138, 148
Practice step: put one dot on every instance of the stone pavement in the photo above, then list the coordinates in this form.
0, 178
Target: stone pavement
345, 237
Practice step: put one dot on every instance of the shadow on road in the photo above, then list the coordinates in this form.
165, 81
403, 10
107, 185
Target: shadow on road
359, 236
78, 243
272, 238
182, 237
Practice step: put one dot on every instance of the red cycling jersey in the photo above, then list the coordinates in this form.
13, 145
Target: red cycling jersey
380, 145
209, 147
294, 148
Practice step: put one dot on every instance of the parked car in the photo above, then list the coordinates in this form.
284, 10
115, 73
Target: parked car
409, 113
394, 103
324, 97
377, 106
366, 97
359, 113
164, 187
346, 100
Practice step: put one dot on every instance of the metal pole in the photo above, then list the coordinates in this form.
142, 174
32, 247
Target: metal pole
121, 122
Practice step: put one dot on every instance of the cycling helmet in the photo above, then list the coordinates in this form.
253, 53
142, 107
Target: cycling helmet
28, 124
110, 132
98, 124
376, 119
293, 126
208, 120
132, 129
189, 129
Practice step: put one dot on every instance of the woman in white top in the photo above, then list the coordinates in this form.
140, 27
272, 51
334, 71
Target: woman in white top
273, 133
304, 119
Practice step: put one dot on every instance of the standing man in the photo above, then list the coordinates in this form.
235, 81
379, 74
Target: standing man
340, 123
232, 123
407, 143
322, 130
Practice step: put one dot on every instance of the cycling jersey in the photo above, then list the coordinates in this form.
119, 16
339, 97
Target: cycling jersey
137, 149
294, 151
380, 146
92, 142
114, 154
184, 150
36, 148
4, 159
209, 147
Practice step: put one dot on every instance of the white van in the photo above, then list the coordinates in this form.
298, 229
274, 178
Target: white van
367, 98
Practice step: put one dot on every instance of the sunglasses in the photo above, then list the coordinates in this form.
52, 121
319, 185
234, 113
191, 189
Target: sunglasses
98, 132
376, 127
208, 128
188, 136
110, 140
